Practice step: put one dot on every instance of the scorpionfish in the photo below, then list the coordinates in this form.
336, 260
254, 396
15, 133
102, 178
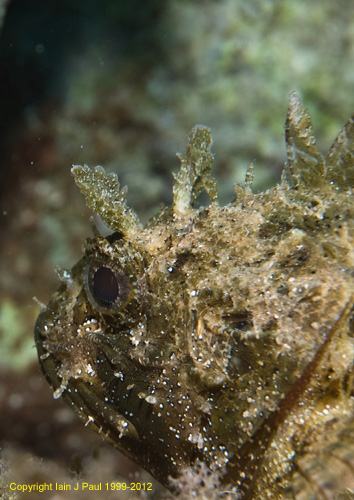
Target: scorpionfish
218, 335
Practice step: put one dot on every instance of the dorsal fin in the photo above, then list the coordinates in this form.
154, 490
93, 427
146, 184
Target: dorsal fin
305, 164
340, 159
195, 171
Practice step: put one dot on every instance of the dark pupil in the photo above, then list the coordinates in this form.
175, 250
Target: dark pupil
105, 285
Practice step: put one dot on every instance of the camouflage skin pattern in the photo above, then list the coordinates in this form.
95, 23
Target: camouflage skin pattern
221, 335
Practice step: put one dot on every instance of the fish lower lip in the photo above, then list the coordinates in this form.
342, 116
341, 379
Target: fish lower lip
88, 404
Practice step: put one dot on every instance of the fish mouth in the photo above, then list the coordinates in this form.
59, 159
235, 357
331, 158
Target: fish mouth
82, 395
47, 362
99, 409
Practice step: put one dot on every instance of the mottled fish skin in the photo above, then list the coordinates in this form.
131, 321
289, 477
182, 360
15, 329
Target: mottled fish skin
221, 335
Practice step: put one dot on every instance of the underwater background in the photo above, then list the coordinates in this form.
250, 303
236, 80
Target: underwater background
120, 84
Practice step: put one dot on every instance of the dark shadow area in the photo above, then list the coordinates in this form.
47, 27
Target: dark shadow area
37, 40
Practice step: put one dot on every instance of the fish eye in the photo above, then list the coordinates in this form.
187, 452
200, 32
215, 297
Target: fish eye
107, 286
